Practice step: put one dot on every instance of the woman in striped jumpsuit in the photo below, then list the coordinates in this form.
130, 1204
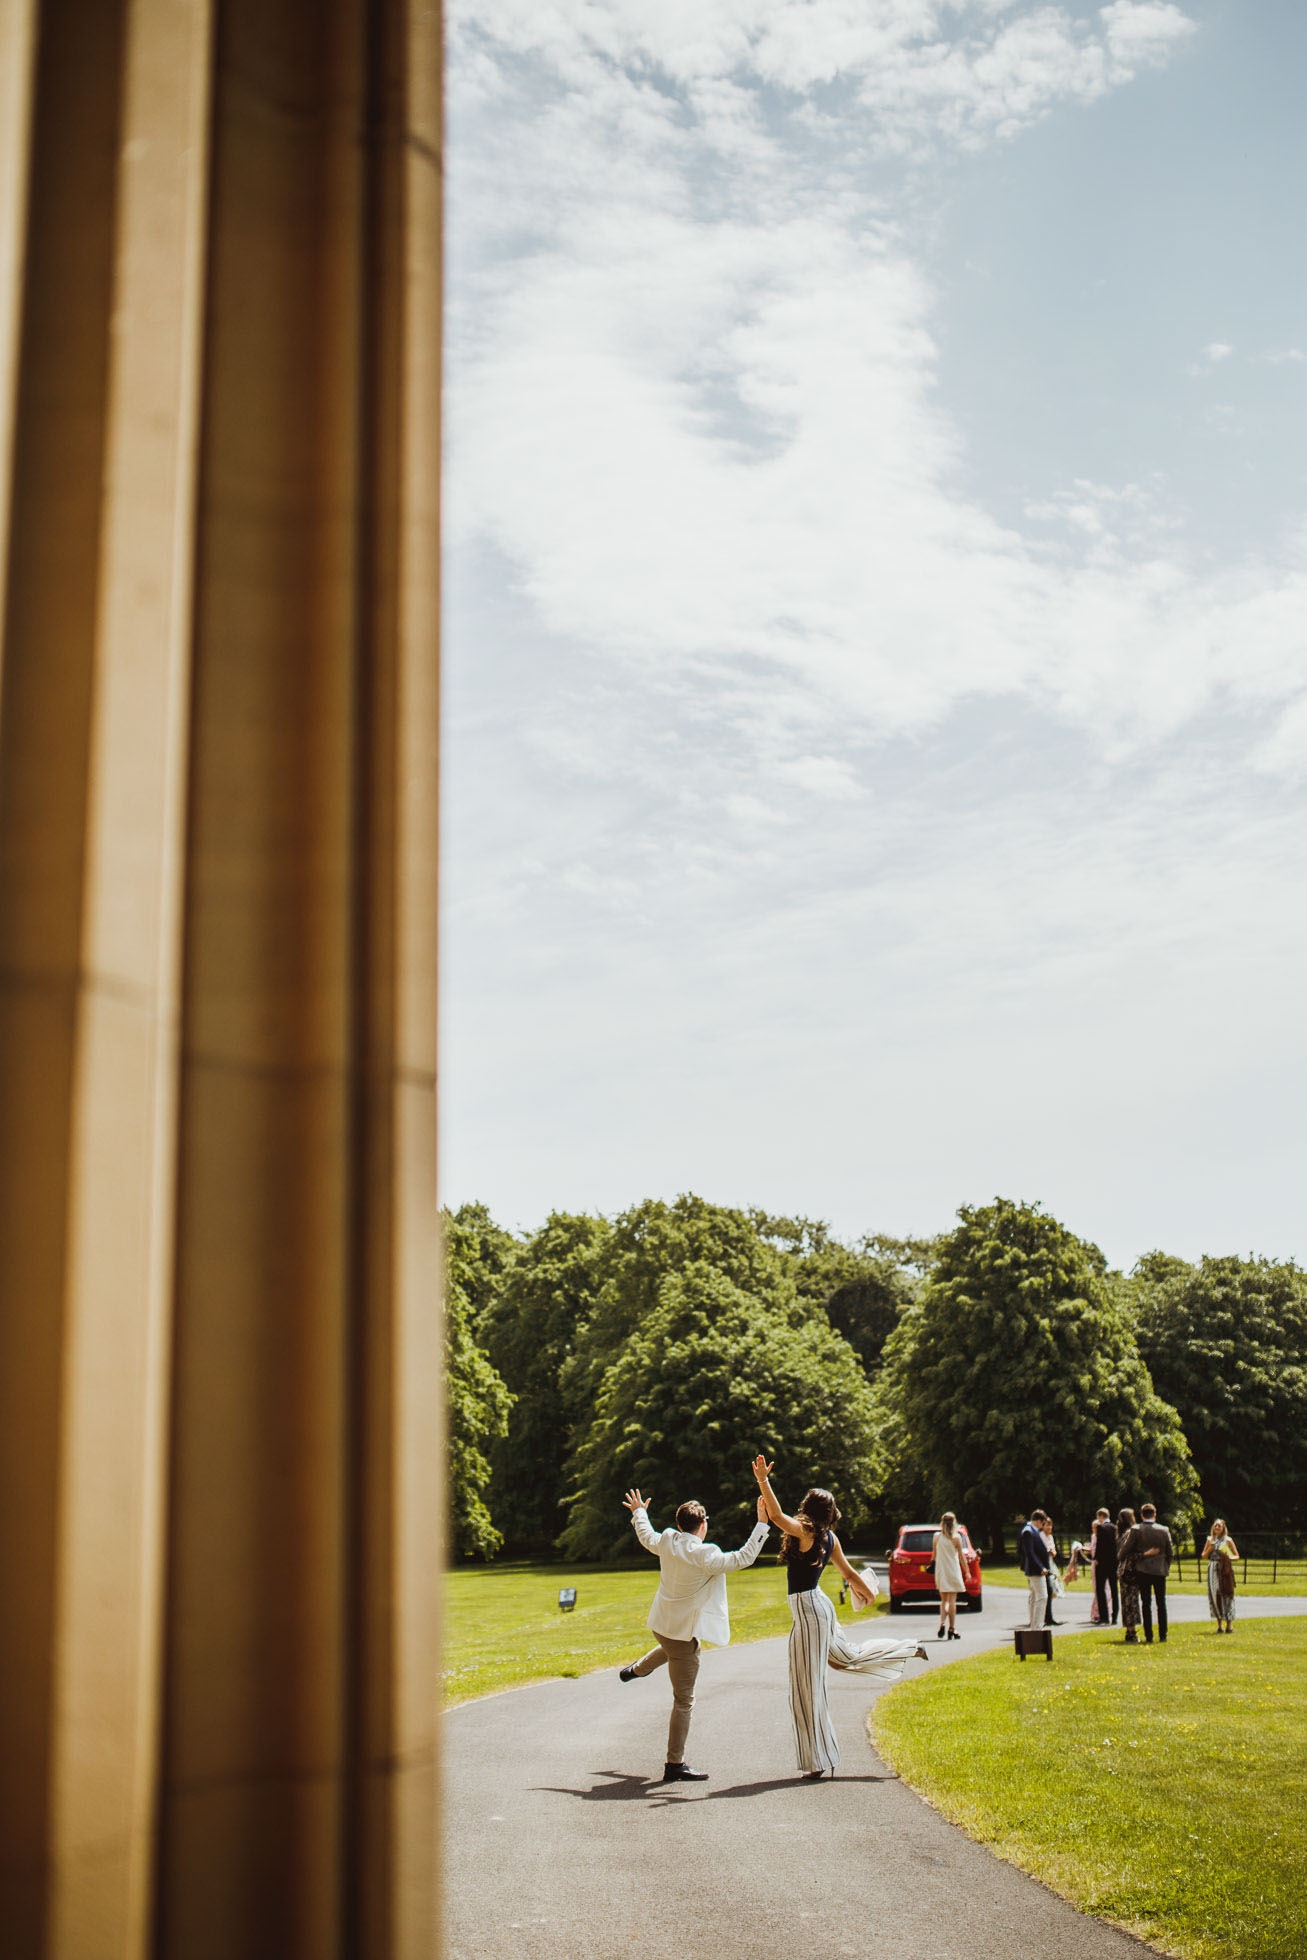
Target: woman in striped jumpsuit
817, 1640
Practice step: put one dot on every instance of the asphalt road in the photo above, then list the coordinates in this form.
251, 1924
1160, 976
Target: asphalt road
561, 1845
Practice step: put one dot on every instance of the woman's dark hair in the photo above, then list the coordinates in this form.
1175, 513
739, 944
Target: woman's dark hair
821, 1514
1125, 1520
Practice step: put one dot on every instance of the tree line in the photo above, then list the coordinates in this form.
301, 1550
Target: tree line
998, 1365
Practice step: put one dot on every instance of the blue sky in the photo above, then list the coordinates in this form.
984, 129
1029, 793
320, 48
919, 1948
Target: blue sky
876, 629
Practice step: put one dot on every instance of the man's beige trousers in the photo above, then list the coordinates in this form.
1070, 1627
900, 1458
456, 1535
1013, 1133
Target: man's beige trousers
681, 1659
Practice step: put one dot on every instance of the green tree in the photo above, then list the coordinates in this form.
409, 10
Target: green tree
711, 1374
647, 1243
863, 1288
1017, 1380
490, 1251
476, 1398
530, 1331
1226, 1342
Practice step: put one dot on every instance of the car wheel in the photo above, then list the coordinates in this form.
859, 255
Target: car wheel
976, 1601
896, 1605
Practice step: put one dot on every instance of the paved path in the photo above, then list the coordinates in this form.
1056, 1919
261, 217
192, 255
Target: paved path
562, 1847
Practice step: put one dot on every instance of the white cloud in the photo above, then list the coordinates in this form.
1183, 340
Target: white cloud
824, 776
752, 812
693, 395
720, 442
926, 70
1284, 752
1211, 357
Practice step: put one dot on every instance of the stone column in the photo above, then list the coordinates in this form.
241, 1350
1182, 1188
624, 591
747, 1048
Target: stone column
219, 1344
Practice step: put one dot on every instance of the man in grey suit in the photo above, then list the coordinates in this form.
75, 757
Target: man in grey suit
1148, 1546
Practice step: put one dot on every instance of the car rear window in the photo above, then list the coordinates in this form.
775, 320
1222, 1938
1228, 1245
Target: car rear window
921, 1541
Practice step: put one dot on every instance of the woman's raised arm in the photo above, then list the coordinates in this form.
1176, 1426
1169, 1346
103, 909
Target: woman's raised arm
762, 1471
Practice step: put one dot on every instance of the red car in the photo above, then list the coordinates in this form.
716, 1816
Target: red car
912, 1568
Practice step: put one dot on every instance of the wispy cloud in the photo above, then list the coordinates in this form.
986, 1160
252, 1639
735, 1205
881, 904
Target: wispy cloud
1211, 357
703, 425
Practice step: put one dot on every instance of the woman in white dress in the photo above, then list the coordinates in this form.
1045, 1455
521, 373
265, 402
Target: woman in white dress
817, 1640
950, 1579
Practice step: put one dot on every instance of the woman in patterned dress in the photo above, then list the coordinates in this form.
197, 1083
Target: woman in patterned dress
817, 1640
1125, 1572
1220, 1551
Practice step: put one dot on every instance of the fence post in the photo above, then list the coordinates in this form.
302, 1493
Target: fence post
1275, 1558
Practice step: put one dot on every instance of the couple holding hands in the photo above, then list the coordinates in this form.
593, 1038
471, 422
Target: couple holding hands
690, 1606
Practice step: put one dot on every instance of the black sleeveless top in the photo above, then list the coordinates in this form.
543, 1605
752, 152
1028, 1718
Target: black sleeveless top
805, 1568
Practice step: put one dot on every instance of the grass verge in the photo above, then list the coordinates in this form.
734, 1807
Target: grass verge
1160, 1787
503, 1625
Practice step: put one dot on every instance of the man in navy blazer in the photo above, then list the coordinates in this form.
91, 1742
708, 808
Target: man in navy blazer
1032, 1554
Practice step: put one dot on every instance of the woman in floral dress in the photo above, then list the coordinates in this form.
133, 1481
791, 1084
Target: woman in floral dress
1125, 1572
1220, 1551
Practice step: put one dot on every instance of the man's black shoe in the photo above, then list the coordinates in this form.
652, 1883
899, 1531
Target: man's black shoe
1052, 1623
627, 1674
682, 1773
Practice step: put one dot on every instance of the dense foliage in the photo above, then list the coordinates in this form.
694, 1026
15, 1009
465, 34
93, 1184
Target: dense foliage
531, 1330
712, 1374
864, 1288
648, 1243
1017, 1380
1226, 1342
998, 1366
478, 1403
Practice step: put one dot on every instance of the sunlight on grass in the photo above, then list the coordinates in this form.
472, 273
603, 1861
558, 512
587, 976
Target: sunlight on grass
1161, 1787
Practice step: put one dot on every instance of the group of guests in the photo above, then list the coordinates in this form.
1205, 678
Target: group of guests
1130, 1561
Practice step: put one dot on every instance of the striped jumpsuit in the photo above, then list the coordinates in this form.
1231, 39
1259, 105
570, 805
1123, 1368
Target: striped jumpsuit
817, 1641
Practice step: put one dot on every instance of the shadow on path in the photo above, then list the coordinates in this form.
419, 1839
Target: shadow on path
623, 1788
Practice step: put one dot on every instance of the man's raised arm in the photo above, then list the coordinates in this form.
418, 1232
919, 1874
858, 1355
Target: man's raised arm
644, 1531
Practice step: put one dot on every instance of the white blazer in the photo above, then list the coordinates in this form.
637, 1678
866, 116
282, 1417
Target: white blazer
690, 1603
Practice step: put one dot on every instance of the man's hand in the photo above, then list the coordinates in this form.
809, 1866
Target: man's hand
634, 1502
762, 1469
763, 1517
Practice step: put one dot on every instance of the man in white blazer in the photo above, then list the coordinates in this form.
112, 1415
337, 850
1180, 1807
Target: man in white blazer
689, 1606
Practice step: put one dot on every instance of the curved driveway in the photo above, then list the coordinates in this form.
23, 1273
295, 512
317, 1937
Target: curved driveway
561, 1846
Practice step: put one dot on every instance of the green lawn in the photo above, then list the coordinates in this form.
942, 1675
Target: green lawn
503, 1625
1161, 1787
